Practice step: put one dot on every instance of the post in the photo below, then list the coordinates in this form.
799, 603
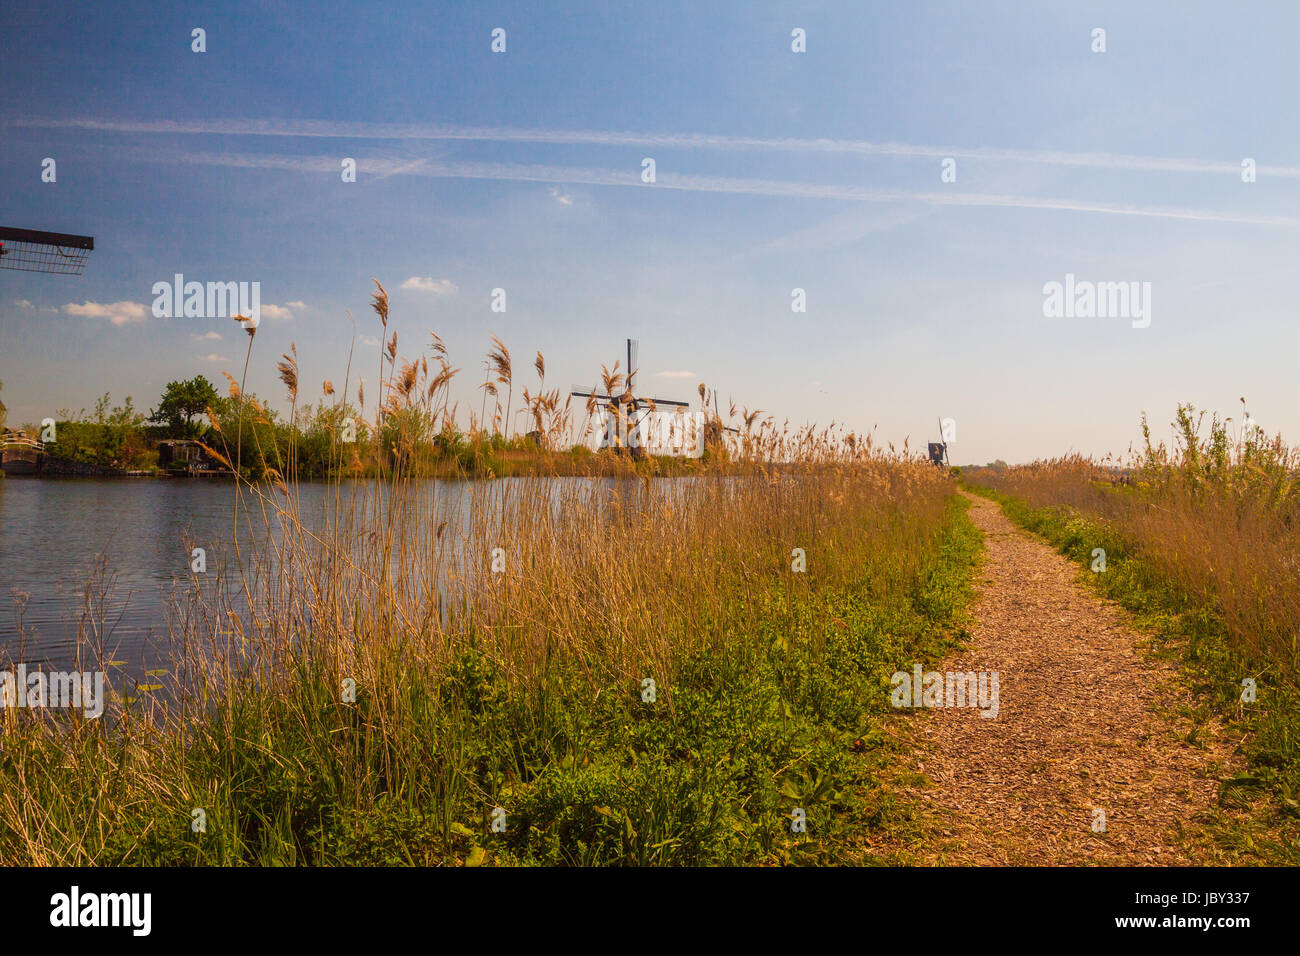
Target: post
632, 359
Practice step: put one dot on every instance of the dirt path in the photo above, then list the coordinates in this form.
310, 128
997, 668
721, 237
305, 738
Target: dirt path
1083, 722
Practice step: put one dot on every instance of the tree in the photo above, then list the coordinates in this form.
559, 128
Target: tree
182, 402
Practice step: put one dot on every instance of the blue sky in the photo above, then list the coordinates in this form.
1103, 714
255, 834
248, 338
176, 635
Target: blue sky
775, 170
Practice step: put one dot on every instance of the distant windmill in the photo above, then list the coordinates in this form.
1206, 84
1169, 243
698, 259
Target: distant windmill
939, 449
626, 409
27, 250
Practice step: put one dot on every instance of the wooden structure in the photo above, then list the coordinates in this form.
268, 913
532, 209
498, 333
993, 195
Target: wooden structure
20, 455
184, 457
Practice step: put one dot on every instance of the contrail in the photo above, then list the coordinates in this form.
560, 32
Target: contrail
439, 168
408, 131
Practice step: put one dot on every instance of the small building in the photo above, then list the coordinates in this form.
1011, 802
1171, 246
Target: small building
183, 455
20, 454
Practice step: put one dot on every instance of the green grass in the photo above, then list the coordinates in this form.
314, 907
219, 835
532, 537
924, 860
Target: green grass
1192, 633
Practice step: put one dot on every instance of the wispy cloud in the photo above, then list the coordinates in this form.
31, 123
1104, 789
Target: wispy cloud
24, 303
276, 312
694, 141
843, 228
214, 357
560, 196
429, 284
297, 304
715, 184
118, 313
682, 374
208, 337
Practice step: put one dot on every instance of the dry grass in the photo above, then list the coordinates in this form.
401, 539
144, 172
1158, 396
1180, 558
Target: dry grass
1217, 518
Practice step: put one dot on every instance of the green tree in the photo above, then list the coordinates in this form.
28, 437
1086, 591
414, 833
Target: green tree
250, 435
112, 436
182, 402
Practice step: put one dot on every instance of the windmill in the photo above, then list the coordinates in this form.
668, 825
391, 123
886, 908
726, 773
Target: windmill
626, 410
27, 250
939, 450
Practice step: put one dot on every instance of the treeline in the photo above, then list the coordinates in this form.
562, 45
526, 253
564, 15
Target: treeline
326, 440
321, 441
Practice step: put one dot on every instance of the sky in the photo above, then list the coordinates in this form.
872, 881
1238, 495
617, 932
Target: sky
775, 170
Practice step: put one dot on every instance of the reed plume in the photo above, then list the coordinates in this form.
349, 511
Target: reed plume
499, 359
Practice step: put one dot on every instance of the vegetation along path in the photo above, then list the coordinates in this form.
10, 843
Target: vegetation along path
1085, 722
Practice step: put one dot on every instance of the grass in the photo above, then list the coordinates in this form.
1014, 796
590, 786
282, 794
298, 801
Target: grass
397, 680
762, 704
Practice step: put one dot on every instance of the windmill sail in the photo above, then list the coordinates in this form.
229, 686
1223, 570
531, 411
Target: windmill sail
28, 250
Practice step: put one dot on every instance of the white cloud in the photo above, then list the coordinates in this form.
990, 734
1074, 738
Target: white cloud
23, 304
429, 284
368, 340
296, 304
701, 141
208, 336
514, 172
214, 357
560, 196
119, 313
276, 312
674, 374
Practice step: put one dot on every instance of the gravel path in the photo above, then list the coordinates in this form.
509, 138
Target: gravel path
1084, 723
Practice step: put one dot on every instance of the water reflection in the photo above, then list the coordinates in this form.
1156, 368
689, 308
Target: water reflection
105, 559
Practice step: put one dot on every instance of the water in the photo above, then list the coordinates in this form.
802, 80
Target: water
57, 538
130, 541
